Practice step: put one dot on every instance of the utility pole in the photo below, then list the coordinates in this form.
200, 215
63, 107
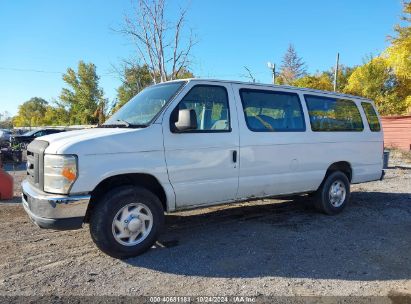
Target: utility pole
336, 72
271, 66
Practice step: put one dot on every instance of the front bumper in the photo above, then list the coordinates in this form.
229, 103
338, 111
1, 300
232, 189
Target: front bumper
61, 212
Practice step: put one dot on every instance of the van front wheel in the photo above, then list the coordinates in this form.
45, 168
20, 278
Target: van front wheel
333, 194
126, 222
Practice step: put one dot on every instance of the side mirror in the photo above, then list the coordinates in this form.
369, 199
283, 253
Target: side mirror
187, 120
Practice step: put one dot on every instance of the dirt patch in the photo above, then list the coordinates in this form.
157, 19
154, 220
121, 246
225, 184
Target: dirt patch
399, 158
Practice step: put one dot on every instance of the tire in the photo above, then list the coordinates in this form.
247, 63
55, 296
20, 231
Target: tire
139, 214
333, 194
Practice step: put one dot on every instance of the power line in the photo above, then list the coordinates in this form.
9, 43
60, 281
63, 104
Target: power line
113, 74
29, 70
110, 74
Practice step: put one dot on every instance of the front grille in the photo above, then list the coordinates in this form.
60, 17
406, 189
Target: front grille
35, 165
32, 165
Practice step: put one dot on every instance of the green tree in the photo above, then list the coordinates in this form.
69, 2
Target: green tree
377, 81
135, 79
325, 80
398, 55
102, 111
83, 98
387, 78
399, 52
344, 74
56, 116
31, 113
183, 74
292, 67
320, 81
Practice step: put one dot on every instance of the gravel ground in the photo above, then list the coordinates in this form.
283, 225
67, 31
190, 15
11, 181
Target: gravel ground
268, 247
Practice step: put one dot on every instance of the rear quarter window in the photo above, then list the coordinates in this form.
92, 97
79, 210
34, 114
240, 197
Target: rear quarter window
329, 114
372, 117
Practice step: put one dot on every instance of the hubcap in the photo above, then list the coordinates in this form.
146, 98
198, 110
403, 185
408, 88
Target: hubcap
337, 193
135, 225
132, 224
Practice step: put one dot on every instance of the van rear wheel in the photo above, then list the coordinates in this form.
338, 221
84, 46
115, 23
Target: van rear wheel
333, 194
126, 222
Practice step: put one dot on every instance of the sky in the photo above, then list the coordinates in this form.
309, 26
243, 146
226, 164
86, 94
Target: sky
40, 39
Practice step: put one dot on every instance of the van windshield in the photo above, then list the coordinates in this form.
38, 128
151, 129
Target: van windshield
144, 107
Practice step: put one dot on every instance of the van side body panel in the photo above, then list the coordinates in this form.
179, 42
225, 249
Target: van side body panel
370, 158
276, 163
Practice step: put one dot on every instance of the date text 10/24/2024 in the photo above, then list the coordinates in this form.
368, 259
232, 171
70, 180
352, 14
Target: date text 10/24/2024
202, 299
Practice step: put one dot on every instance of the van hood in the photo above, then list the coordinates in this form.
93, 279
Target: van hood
91, 141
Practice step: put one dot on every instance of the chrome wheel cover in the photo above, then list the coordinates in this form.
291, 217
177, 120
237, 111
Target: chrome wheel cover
132, 224
337, 193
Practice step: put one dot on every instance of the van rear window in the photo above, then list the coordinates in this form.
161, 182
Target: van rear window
372, 117
333, 114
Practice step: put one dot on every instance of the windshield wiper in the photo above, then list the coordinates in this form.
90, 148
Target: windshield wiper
123, 123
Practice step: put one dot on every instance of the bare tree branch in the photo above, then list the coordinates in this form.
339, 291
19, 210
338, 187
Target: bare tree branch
183, 58
250, 75
177, 40
159, 43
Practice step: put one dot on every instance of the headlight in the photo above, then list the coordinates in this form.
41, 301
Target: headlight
60, 173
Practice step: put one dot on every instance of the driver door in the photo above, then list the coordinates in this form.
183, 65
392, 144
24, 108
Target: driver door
203, 164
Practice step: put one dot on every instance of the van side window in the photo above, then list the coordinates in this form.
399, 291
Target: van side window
211, 106
372, 117
272, 111
333, 114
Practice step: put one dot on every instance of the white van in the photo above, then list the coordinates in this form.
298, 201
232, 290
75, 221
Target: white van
194, 143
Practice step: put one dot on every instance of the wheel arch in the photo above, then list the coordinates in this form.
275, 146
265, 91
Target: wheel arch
343, 166
145, 180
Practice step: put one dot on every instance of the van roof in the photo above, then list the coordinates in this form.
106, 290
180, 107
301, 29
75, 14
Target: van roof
303, 90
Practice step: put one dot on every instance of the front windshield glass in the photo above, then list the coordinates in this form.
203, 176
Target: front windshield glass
142, 108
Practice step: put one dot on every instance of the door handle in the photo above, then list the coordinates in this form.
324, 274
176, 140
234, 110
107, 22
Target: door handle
234, 156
